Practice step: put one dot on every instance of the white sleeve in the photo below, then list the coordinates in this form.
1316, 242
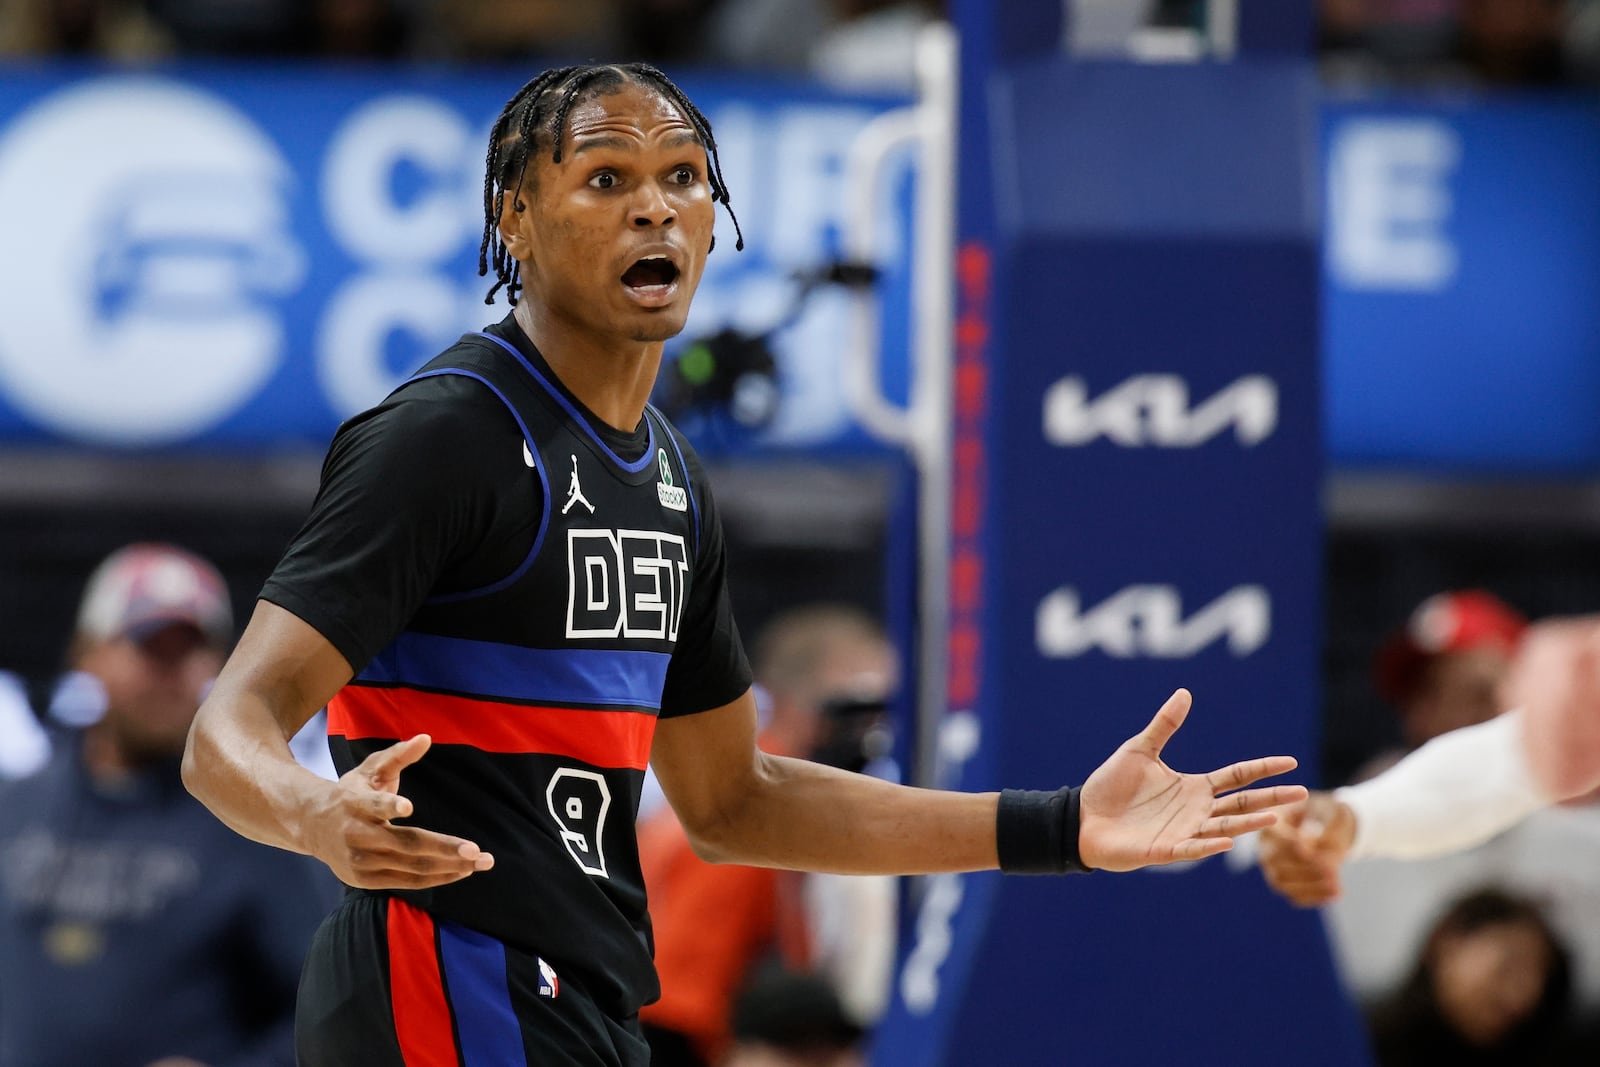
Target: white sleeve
1456, 791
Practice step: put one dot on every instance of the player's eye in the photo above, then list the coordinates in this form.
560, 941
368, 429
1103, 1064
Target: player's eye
685, 175
604, 180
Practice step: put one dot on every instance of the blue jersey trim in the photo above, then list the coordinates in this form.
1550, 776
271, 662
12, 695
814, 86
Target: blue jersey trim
489, 669
538, 466
474, 967
577, 416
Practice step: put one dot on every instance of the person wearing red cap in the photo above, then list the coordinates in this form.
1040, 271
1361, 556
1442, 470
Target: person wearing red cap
152, 629
1465, 786
1475, 804
134, 929
1444, 668
1445, 671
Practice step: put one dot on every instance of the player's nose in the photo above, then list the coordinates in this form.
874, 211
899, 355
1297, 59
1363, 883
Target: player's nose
651, 208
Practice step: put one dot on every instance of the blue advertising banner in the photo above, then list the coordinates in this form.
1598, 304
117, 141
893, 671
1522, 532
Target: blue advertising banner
238, 259
1461, 270
1136, 464
259, 253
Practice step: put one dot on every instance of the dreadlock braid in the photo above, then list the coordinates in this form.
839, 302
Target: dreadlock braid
503, 156
526, 117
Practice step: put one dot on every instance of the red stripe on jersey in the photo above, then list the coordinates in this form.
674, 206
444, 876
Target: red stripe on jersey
612, 739
416, 992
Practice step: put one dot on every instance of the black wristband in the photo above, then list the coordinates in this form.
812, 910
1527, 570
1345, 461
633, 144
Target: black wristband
1037, 832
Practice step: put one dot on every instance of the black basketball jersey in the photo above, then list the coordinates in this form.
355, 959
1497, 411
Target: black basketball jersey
541, 690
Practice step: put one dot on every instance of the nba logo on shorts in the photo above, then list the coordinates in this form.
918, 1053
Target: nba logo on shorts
549, 984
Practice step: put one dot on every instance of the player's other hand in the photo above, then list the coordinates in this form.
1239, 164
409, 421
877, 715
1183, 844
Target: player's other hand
1555, 680
1135, 811
354, 832
1301, 854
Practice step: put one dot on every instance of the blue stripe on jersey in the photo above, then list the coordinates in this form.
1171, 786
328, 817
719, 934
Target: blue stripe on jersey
544, 516
513, 672
561, 398
474, 967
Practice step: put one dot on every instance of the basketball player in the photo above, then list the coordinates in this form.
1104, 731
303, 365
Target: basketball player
511, 594
1463, 787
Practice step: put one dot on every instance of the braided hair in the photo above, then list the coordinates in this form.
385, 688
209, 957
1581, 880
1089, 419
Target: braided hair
539, 111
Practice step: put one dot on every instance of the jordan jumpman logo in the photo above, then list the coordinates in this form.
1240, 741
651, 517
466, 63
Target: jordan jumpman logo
575, 491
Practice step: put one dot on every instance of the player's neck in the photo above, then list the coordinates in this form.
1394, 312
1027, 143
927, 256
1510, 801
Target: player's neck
612, 378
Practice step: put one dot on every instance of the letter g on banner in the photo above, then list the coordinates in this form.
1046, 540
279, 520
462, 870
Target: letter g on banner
148, 226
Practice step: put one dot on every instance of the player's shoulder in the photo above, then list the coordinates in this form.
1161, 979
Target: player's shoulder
446, 397
475, 354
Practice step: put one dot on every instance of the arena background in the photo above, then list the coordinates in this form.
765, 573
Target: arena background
1237, 367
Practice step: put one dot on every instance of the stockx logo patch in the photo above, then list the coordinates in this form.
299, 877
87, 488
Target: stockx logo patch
672, 496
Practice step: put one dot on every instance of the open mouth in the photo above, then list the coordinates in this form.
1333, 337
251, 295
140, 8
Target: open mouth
652, 273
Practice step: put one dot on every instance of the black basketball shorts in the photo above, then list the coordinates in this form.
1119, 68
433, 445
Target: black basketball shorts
387, 985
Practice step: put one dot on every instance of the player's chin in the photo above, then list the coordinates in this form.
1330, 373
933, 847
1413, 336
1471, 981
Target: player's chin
662, 325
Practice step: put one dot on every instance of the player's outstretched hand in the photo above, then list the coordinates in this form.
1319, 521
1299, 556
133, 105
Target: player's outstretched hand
1301, 854
355, 834
1135, 811
1555, 680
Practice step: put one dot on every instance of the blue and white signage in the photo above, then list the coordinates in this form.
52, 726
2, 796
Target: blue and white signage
1461, 259
1137, 469
242, 259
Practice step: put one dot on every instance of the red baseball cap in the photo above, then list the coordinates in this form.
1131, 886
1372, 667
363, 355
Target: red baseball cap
141, 588
1444, 623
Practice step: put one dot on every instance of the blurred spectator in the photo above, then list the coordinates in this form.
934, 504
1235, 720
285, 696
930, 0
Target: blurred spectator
135, 929
783, 1019
1491, 987
1475, 805
1513, 42
1496, 43
1444, 668
665, 31
235, 27
117, 29
828, 672
871, 46
521, 29
1364, 41
863, 45
1381, 919
775, 35
831, 672
148, 29
360, 29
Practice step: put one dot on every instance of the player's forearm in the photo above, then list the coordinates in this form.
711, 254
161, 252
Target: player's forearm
803, 815
238, 764
1457, 791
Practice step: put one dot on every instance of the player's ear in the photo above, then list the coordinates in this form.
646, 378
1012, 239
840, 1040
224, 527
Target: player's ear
513, 210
